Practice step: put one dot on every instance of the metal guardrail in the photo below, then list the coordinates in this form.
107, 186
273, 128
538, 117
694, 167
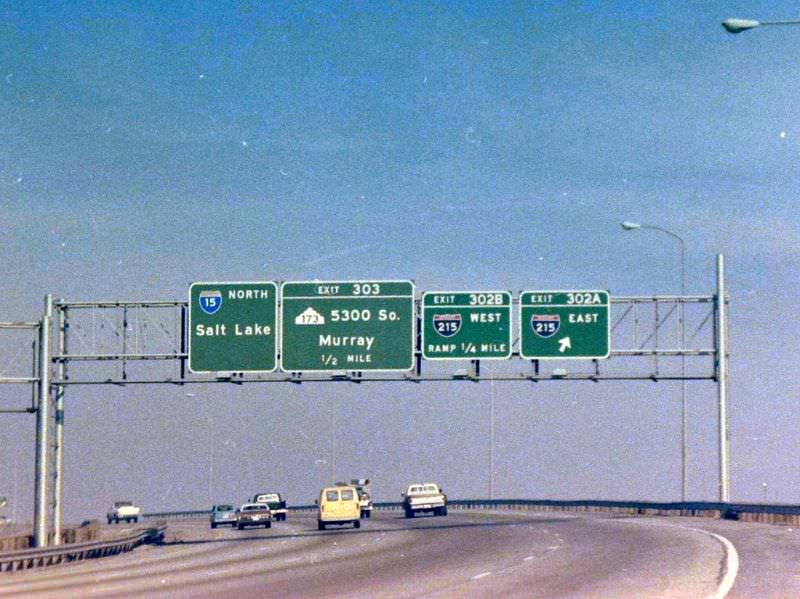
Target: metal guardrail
754, 512
725, 510
184, 515
86, 532
49, 556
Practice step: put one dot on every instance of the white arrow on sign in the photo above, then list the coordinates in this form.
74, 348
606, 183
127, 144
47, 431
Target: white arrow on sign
564, 344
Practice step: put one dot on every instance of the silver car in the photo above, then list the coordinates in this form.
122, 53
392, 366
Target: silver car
223, 513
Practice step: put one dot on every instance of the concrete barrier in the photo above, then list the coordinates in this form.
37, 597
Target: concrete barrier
88, 531
42, 557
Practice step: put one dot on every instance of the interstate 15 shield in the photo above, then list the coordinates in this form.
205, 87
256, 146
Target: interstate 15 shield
210, 301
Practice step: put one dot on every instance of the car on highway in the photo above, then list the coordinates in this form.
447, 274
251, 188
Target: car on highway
424, 497
223, 513
338, 505
123, 510
364, 497
254, 514
275, 502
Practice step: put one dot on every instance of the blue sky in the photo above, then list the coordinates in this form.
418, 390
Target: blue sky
461, 145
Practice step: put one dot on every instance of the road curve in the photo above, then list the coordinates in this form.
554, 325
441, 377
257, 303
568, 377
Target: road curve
466, 554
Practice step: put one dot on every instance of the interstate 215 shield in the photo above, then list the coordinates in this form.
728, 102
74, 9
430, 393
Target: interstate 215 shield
447, 325
545, 325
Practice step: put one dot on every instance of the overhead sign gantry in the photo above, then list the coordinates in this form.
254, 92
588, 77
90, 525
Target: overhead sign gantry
552, 324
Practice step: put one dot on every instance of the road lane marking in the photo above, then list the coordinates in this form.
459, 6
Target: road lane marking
731, 565
479, 576
731, 559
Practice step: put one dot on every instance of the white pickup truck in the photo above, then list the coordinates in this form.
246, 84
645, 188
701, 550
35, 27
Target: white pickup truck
123, 510
424, 497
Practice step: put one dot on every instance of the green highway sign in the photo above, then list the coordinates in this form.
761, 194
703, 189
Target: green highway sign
564, 324
462, 325
232, 327
347, 325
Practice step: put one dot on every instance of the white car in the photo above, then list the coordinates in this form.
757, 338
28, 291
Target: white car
364, 497
123, 510
424, 497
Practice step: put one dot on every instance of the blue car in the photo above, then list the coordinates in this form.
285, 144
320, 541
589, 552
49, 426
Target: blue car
223, 513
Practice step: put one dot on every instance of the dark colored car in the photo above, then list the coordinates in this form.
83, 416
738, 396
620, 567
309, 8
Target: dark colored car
254, 514
276, 503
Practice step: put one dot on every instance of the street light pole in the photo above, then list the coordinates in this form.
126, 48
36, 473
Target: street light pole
629, 226
333, 442
42, 428
491, 436
210, 422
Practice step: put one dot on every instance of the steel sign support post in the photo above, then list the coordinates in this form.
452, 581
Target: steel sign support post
491, 437
59, 465
184, 334
722, 381
210, 422
42, 428
333, 441
684, 418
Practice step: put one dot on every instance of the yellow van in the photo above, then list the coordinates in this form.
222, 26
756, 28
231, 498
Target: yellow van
338, 505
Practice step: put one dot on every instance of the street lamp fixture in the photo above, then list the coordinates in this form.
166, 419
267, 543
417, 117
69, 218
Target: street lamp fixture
629, 226
739, 25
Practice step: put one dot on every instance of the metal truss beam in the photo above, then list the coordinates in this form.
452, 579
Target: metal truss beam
121, 334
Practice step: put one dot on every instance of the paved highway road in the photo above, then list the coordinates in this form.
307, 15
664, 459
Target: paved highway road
466, 554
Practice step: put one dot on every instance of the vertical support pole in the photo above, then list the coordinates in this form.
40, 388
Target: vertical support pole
333, 441
124, 342
418, 344
210, 421
35, 370
42, 428
491, 436
184, 335
59, 467
656, 326
684, 415
722, 381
